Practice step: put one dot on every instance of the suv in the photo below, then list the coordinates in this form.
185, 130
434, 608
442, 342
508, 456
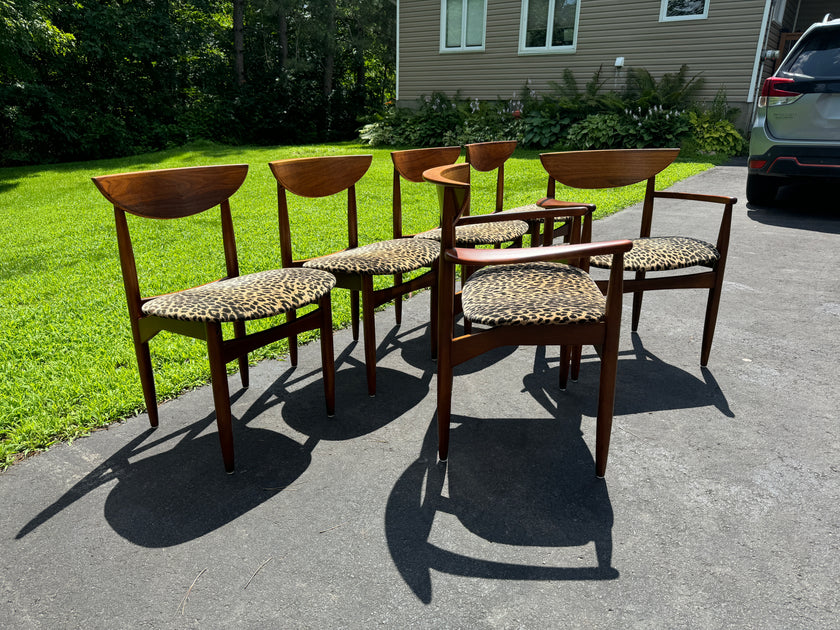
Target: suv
796, 134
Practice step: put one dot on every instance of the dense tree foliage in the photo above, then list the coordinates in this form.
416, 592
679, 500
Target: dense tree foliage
83, 79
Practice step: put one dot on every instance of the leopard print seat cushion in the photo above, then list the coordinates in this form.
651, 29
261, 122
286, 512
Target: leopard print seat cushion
482, 233
533, 206
532, 293
384, 258
243, 298
664, 253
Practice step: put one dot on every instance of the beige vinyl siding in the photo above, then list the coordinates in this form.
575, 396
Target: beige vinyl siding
721, 48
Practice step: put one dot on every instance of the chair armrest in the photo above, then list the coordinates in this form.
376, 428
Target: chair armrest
482, 257
550, 202
696, 197
572, 210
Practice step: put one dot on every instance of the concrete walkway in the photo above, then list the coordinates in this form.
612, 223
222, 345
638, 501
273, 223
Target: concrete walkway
719, 509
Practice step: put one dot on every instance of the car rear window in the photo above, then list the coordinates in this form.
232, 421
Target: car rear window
818, 57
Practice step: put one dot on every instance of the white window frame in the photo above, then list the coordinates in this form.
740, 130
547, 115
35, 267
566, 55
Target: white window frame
542, 50
779, 12
664, 17
463, 47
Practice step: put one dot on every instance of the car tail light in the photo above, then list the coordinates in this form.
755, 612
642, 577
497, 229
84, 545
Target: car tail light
778, 91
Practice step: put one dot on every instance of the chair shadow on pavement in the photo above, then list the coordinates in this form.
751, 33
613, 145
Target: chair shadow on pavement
171, 487
645, 383
527, 482
521, 482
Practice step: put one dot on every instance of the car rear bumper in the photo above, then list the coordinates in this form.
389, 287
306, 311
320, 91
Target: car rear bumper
797, 161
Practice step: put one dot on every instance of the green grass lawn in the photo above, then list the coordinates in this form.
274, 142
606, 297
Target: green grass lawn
67, 358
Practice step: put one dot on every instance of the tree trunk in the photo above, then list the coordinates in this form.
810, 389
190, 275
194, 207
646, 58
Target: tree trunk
239, 41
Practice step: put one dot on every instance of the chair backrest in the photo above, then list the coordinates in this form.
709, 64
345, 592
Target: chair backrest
313, 177
491, 156
611, 168
170, 194
410, 164
453, 185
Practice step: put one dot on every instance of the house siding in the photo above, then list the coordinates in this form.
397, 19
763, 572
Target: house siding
720, 48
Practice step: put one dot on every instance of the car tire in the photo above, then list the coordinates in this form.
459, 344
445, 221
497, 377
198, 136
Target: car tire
761, 189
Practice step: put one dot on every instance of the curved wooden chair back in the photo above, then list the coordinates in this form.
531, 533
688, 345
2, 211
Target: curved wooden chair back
320, 176
172, 193
608, 168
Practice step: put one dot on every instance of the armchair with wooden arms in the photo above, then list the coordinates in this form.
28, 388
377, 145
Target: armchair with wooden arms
614, 168
201, 312
519, 296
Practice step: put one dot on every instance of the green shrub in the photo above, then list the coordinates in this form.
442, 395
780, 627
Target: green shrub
709, 136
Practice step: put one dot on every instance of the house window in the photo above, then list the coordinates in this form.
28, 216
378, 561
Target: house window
779, 12
548, 26
683, 10
462, 24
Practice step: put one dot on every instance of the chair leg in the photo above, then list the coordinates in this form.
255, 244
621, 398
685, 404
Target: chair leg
433, 319
239, 332
577, 351
637, 304
327, 353
565, 352
147, 380
354, 314
221, 393
712, 306
368, 314
606, 400
398, 301
444, 406
293, 341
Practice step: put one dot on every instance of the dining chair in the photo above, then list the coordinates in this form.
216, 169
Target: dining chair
409, 165
201, 312
519, 296
356, 266
494, 233
616, 168
491, 156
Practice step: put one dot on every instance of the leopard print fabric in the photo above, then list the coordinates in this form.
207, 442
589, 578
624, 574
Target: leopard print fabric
532, 293
664, 253
243, 298
384, 258
482, 233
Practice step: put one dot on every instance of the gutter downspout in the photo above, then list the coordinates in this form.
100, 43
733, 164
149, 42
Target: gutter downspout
397, 71
759, 56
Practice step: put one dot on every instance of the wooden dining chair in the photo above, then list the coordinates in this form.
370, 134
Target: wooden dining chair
493, 233
519, 296
201, 312
356, 266
487, 157
409, 165
615, 168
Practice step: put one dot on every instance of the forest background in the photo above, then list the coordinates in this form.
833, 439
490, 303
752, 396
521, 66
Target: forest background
91, 79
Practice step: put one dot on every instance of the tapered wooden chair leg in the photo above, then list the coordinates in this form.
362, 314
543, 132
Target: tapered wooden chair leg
577, 351
637, 304
147, 380
327, 354
221, 394
370, 333
293, 342
354, 314
444, 407
712, 306
239, 332
398, 280
565, 355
